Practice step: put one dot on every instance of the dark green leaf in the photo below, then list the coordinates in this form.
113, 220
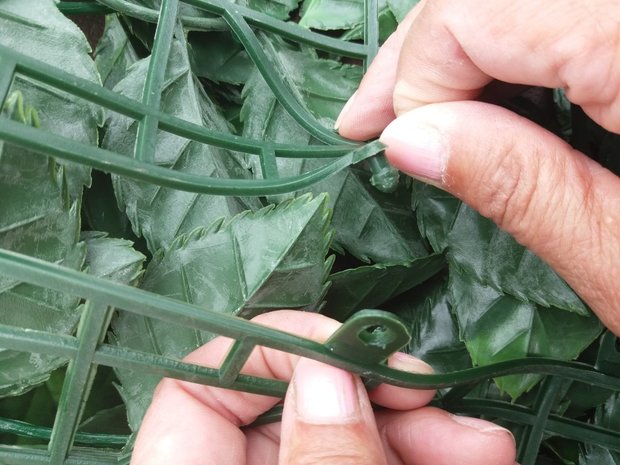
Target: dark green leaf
161, 214
112, 258
387, 25
400, 8
480, 248
277, 8
38, 219
371, 225
114, 54
607, 416
219, 56
434, 333
274, 258
435, 210
36, 28
371, 286
334, 14
497, 327
323, 86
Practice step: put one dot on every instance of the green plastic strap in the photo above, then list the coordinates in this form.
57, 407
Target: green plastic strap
370, 336
52, 276
11, 455
78, 380
533, 435
256, 19
94, 93
26, 430
7, 71
555, 425
146, 137
110, 162
81, 8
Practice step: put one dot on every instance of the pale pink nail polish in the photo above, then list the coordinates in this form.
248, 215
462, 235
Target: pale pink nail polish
415, 149
325, 394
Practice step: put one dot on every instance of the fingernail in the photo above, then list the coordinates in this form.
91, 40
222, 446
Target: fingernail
409, 363
345, 109
480, 425
415, 149
324, 394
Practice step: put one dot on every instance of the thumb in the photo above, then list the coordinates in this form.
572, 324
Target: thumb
328, 419
551, 198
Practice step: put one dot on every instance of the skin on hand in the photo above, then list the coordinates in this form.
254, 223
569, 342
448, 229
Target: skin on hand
419, 95
327, 419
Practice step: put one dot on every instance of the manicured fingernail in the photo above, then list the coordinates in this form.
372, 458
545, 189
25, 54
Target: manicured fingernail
324, 394
415, 149
480, 425
409, 363
345, 109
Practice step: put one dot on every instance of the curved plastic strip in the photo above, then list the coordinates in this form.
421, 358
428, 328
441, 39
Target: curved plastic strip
66, 149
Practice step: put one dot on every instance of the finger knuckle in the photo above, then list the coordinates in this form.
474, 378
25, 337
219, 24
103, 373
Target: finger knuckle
511, 190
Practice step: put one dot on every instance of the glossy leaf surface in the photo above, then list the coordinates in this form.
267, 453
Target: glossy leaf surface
607, 416
371, 286
434, 333
371, 225
496, 327
161, 214
495, 258
36, 28
112, 258
323, 86
477, 247
37, 218
115, 53
256, 262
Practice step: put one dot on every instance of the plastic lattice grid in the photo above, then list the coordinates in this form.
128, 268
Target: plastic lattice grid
86, 350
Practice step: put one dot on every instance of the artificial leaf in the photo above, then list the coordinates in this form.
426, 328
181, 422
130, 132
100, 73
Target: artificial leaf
255, 262
386, 22
400, 8
323, 86
279, 8
115, 53
37, 29
112, 258
434, 333
264, 118
160, 214
371, 225
219, 56
334, 14
607, 416
435, 212
37, 218
480, 248
371, 286
497, 327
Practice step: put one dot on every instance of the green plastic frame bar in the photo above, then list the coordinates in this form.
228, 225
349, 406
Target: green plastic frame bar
86, 351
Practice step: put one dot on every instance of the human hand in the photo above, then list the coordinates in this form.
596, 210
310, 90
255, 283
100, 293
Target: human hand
327, 416
551, 198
